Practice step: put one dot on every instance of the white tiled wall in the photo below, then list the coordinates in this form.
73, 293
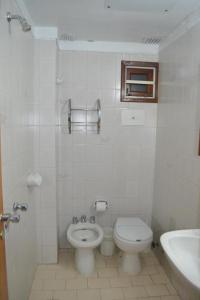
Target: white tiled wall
17, 142
177, 184
45, 95
177, 176
118, 164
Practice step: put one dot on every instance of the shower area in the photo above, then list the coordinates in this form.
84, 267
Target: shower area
17, 143
28, 126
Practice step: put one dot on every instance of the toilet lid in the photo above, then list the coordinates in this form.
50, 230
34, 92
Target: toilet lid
133, 229
131, 233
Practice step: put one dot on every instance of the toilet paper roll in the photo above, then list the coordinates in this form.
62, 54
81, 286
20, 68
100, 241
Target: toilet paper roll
34, 179
101, 206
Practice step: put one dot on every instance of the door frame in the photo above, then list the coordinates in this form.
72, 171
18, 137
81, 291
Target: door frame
3, 271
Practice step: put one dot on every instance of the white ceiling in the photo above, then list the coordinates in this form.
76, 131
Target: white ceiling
124, 20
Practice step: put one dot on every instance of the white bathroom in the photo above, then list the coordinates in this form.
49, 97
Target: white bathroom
100, 150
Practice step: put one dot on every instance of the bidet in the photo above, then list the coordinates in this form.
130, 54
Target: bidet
84, 237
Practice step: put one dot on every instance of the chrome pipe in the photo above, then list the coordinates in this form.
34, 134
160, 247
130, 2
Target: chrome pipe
23, 22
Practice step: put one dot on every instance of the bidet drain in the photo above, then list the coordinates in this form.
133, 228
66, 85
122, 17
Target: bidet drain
84, 240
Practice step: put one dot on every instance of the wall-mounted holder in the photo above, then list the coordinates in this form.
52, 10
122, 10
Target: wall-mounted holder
101, 205
84, 117
34, 180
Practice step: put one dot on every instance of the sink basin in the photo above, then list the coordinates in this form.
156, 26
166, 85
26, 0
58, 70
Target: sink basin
182, 248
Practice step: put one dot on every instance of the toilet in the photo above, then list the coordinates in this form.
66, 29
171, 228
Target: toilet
132, 236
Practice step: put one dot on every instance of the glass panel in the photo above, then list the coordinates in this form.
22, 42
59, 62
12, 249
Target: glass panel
142, 88
139, 74
136, 88
139, 77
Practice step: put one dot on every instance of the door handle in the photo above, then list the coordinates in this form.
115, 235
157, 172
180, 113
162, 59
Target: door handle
2, 234
5, 217
8, 217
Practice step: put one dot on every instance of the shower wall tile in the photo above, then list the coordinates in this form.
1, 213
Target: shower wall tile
177, 171
18, 119
118, 164
45, 161
177, 184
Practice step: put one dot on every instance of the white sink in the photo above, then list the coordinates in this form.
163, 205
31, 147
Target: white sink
183, 250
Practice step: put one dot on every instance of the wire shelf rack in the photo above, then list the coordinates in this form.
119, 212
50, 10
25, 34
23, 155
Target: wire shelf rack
84, 117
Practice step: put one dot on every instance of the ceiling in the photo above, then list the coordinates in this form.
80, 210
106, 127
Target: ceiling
111, 20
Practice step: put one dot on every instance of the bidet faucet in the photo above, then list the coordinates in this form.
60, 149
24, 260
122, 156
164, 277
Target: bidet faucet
74, 220
83, 219
92, 220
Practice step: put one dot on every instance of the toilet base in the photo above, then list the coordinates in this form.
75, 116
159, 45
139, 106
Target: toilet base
85, 261
130, 263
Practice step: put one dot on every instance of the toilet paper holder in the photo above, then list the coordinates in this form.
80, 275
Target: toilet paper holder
101, 201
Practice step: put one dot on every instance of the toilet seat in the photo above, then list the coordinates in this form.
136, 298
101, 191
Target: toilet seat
132, 230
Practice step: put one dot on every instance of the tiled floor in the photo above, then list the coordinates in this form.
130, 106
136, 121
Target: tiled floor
63, 282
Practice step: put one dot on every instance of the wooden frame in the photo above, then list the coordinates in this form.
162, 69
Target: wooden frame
3, 273
199, 144
139, 68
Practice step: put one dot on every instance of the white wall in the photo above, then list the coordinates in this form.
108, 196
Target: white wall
45, 162
177, 179
118, 164
17, 142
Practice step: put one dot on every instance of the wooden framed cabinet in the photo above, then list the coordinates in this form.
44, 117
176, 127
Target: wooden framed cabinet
139, 81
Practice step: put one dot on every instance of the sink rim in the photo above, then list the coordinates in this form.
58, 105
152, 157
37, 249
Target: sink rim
84, 226
165, 242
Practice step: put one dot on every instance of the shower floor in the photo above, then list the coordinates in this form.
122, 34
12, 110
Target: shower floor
63, 282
